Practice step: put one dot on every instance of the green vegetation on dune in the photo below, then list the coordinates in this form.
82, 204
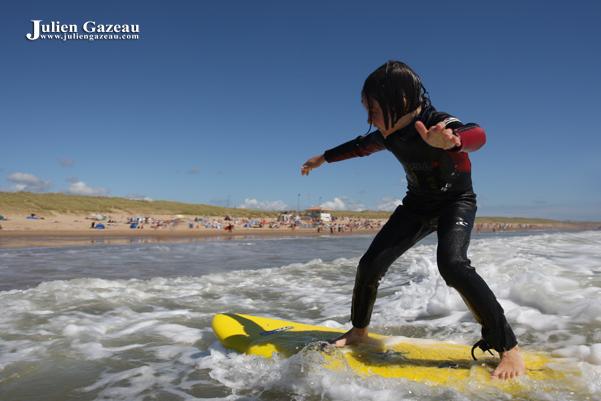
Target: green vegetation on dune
54, 203
50, 204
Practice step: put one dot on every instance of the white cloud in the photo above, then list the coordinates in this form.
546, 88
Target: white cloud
65, 162
264, 205
343, 203
195, 170
77, 187
27, 182
388, 204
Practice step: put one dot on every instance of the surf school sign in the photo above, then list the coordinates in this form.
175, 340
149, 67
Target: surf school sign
91, 31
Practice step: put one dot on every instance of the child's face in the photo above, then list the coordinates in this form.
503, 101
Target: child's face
375, 117
374, 114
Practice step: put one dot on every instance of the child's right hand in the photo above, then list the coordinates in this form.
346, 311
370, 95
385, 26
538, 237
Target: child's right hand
312, 163
438, 136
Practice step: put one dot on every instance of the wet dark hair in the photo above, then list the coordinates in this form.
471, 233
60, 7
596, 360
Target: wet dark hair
389, 85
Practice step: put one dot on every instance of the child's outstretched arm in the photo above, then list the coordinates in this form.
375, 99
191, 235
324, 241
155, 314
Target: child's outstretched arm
358, 147
465, 139
438, 136
312, 163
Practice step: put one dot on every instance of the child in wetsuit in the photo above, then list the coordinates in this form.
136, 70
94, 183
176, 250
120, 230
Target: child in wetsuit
433, 148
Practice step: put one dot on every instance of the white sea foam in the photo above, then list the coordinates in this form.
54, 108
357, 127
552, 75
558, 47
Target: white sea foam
134, 321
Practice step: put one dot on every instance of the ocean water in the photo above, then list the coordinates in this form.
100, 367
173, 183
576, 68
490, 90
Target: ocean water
133, 321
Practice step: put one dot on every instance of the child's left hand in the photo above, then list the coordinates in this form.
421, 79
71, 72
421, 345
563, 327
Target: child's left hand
438, 135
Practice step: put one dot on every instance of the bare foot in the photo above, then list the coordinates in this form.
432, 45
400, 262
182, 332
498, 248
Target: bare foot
512, 365
350, 337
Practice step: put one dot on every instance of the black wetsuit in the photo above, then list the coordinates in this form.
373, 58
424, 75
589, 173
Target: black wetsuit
439, 198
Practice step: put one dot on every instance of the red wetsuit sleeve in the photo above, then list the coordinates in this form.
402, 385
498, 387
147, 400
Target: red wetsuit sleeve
472, 137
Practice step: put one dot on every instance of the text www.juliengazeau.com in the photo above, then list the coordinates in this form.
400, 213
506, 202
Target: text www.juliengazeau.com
88, 36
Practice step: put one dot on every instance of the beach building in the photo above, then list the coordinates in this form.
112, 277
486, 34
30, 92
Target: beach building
319, 213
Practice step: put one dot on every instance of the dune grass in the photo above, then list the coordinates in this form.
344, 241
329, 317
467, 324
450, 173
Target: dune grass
51, 204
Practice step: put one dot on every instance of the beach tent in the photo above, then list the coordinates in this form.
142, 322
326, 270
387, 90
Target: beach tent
134, 225
99, 226
1, 217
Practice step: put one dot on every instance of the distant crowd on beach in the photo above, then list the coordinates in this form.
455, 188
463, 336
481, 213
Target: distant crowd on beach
283, 221
342, 225
495, 227
286, 221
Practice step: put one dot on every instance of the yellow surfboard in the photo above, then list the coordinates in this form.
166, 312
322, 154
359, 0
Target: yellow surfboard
425, 361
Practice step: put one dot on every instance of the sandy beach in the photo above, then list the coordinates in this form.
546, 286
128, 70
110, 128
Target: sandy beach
22, 230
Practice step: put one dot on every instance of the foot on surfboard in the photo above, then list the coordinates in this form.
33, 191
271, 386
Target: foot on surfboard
512, 365
352, 336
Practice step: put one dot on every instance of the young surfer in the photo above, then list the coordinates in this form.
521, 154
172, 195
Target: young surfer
433, 148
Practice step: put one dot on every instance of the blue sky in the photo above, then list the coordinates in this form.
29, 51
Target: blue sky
222, 102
